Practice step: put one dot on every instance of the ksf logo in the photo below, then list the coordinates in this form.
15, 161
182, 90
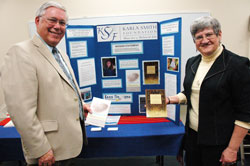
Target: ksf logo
107, 33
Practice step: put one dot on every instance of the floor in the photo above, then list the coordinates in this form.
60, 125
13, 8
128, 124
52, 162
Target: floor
129, 161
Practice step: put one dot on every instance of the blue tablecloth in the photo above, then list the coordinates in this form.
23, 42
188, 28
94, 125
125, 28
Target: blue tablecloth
149, 139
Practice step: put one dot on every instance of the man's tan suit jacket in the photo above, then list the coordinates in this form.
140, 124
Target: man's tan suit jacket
41, 101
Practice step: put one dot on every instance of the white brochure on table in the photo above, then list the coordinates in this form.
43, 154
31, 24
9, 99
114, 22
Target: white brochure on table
100, 109
112, 120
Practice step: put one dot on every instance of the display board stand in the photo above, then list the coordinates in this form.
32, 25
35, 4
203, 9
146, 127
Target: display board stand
118, 62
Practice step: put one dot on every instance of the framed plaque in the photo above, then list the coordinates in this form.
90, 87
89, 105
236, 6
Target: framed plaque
155, 103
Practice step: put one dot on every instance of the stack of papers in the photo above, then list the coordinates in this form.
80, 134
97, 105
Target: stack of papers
9, 124
4, 121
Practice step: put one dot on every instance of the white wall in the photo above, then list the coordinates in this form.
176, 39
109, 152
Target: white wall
233, 15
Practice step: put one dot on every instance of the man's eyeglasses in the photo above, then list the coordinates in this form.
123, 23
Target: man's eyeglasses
53, 21
208, 36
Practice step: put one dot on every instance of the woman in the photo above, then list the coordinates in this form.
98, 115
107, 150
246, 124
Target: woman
109, 69
217, 94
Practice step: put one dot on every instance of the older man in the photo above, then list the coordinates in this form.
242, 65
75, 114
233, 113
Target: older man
42, 95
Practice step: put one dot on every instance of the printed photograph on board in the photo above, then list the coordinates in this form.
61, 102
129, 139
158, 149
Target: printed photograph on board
173, 64
142, 104
109, 68
86, 93
151, 72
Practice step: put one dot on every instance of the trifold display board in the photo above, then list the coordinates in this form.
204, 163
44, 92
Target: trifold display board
118, 62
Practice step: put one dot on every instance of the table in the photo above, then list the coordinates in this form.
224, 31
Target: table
149, 139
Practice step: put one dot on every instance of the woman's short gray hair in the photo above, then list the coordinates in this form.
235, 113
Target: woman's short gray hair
205, 22
41, 11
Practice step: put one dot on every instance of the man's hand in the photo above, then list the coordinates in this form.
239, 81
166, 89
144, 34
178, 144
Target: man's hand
47, 159
87, 108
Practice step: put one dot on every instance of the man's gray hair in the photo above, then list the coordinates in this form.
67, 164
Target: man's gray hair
205, 22
41, 11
